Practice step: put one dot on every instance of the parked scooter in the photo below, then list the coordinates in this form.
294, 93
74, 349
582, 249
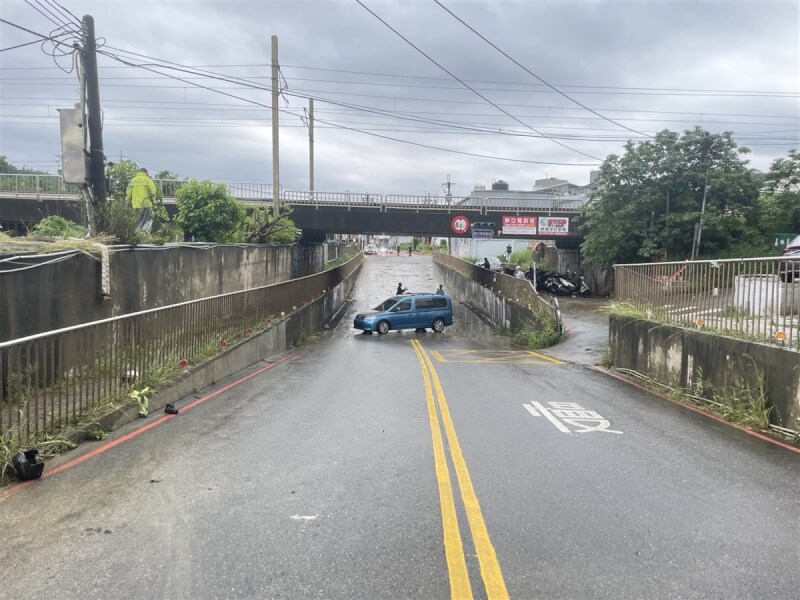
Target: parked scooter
558, 284
580, 283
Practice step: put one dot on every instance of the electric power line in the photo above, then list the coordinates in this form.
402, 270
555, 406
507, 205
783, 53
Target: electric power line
689, 91
43, 37
68, 15
401, 36
114, 57
47, 13
531, 73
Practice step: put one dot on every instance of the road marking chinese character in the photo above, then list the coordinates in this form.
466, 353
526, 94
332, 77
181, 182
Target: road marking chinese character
571, 413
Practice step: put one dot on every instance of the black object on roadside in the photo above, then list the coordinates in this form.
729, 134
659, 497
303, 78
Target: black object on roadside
27, 465
170, 409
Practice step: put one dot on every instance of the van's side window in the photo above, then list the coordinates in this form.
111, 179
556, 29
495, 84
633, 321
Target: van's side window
425, 303
403, 306
438, 302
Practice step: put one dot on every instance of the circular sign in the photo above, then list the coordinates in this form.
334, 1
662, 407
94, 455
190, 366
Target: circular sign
460, 224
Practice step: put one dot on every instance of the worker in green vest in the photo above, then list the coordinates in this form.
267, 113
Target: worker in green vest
142, 195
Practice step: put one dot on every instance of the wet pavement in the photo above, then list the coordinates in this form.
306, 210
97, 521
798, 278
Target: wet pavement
417, 465
586, 329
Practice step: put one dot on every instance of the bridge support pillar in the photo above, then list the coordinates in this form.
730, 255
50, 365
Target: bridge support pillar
569, 260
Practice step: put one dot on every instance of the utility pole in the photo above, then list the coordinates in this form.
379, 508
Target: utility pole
276, 172
666, 229
698, 230
97, 176
449, 197
311, 147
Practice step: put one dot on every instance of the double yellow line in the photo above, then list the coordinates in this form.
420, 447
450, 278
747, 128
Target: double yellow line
491, 573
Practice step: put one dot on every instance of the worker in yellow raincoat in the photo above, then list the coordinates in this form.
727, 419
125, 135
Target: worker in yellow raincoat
142, 194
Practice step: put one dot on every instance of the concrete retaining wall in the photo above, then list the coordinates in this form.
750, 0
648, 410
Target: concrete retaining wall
490, 294
681, 357
67, 292
284, 335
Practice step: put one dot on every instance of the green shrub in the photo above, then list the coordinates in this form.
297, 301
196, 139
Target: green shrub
207, 212
122, 222
57, 227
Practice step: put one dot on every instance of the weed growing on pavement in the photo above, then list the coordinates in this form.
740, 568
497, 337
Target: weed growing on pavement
15, 440
746, 406
536, 339
607, 360
739, 404
97, 435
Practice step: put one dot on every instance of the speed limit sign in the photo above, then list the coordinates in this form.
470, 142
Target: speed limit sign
460, 224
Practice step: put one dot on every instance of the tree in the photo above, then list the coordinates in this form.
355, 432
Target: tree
649, 203
120, 175
207, 212
165, 174
7, 167
780, 203
266, 226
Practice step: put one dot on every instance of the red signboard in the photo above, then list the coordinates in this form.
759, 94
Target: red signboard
519, 225
554, 225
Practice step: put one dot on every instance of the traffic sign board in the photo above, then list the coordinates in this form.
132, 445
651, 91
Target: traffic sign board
460, 224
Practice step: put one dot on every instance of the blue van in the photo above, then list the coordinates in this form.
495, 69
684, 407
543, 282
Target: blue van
409, 311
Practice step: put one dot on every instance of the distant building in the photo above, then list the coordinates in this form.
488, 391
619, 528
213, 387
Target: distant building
547, 194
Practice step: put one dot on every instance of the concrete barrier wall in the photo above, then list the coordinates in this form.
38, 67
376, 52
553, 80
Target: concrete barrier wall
490, 294
286, 334
59, 294
681, 358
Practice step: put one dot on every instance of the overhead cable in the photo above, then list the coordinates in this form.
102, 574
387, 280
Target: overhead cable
466, 85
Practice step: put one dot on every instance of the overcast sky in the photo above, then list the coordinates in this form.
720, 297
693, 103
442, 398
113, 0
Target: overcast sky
646, 65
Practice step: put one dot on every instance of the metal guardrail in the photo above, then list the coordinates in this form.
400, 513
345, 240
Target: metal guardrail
57, 378
756, 298
20, 185
37, 187
519, 291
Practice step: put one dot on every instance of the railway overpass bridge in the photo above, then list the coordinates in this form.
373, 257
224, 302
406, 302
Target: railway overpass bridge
26, 199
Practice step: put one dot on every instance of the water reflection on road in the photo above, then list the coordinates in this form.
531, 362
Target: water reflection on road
378, 280
587, 325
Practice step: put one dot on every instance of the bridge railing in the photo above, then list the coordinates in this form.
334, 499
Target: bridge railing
753, 298
246, 192
332, 199
512, 204
427, 202
24, 185
59, 378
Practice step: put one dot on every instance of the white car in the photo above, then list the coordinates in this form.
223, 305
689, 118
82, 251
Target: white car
371, 249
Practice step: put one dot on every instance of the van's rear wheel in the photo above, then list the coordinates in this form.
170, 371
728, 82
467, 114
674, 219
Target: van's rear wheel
438, 325
383, 327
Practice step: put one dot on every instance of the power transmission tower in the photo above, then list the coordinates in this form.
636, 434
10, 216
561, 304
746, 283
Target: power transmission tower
448, 184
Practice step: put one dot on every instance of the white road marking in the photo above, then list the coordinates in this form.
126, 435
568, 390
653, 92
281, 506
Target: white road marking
537, 410
304, 517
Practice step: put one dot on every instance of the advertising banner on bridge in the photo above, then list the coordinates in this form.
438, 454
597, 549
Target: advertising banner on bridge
519, 225
554, 225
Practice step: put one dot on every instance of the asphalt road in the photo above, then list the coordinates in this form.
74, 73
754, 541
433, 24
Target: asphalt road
410, 465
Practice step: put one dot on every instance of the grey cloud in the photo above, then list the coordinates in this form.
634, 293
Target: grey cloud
711, 45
